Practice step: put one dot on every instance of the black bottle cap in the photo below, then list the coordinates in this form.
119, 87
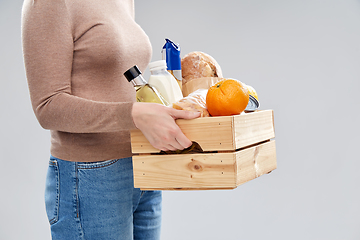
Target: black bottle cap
132, 73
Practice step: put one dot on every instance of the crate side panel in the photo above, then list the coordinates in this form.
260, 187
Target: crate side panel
211, 133
252, 128
255, 161
211, 171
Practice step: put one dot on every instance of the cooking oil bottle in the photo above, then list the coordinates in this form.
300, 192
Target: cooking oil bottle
144, 91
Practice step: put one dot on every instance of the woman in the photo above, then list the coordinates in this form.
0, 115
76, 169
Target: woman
75, 54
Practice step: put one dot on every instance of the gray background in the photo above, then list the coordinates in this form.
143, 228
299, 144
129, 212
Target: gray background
302, 57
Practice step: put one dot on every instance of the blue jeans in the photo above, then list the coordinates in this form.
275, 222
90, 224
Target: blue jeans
98, 201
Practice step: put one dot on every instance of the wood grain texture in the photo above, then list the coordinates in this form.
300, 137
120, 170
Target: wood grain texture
214, 170
203, 171
255, 161
218, 133
253, 128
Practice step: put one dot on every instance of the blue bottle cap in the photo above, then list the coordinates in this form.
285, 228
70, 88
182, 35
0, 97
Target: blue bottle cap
171, 51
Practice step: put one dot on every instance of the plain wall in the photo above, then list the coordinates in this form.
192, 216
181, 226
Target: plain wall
303, 59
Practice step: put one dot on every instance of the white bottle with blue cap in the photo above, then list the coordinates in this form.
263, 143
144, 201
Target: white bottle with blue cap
171, 54
164, 82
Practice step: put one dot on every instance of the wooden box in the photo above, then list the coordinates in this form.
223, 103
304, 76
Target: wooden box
236, 149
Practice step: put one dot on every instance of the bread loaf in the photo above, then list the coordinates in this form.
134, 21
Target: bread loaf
194, 102
198, 65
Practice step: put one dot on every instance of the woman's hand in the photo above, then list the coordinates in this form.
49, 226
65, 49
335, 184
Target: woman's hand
157, 123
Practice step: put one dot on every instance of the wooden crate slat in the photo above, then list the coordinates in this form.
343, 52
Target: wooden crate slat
253, 128
203, 171
211, 133
255, 161
218, 133
185, 171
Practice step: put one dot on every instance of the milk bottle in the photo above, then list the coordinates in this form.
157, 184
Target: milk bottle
164, 82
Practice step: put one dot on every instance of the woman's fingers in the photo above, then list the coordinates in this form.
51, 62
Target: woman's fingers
158, 125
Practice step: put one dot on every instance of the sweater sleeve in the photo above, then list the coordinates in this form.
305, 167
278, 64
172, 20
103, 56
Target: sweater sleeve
48, 45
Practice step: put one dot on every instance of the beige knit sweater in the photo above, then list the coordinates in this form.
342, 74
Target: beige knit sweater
75, 54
